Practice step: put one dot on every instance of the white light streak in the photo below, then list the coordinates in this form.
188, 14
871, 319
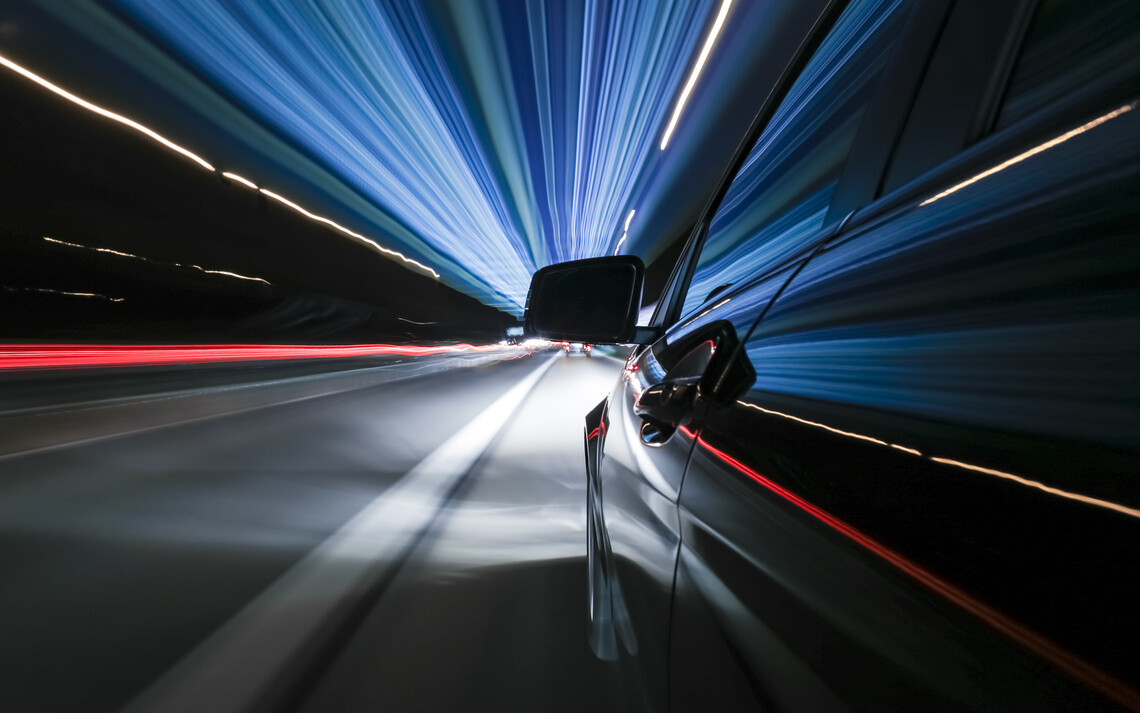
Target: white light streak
239, 179
625, 231
104, 112
227, 274
28, 74
98, 250
692, 81
568, 101
368, 241
63, 292
157, 262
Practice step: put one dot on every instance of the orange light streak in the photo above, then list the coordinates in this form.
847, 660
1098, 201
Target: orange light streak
1123, 509
1033, 152
1132, 512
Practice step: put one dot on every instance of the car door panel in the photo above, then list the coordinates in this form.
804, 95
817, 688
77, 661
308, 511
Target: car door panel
927, 498
634, 486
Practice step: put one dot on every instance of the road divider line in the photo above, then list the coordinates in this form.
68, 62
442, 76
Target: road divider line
252, 657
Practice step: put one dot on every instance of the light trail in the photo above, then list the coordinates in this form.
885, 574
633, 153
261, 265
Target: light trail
1054, 142
28, 74
244, 181
1013, 629
65, 293
625, 232
1037, 485
696, 73
120, 253
521, 145
352, 234
105, 112
68, 356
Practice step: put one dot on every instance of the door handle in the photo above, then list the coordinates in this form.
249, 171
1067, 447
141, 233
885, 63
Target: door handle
663, 407
710, 353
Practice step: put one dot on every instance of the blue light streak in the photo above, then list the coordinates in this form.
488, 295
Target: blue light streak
523, 142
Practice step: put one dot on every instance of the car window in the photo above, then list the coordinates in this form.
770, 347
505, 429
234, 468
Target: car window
1069, 44
779, 198
1003, 300
738, 309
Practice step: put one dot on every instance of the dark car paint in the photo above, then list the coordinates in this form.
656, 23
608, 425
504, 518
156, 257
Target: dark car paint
926, 500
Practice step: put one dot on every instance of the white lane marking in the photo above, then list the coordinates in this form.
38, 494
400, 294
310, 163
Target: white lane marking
245, 659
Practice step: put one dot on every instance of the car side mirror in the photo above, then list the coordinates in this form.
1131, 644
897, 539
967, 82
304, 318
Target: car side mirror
594, 300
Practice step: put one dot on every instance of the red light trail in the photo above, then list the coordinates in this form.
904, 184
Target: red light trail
67, 356
1058, 656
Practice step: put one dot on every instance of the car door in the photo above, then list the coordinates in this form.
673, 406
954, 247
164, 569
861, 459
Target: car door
635, 464
637, 450
926, 499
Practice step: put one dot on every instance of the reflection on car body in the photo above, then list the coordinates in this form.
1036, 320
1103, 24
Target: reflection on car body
876, 449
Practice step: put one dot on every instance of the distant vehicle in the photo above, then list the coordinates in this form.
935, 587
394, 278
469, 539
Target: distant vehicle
576, 348
877, 448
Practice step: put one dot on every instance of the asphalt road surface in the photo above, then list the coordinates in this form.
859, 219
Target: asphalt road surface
349, 542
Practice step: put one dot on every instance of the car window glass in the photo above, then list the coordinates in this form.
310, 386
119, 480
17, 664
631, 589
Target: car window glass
740, 309
780, 196
1070, 43
971, 307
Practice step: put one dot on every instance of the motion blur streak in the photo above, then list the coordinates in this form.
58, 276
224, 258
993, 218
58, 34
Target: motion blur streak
120, 253
625, 231
185, 152
692, 81
1066, 661
244, 181
33, 356
104, 112
1033, 152
346, 231
521, 143
1042, 487
61, 292
958, 464
227, 273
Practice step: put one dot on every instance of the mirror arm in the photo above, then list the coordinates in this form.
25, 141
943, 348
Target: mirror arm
647, 335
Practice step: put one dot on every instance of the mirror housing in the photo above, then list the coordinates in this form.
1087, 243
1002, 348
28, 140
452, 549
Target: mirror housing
595, 301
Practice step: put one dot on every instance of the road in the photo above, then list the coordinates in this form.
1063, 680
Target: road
361, 544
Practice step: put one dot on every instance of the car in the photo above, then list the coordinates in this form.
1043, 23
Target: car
576, 348
876, 449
